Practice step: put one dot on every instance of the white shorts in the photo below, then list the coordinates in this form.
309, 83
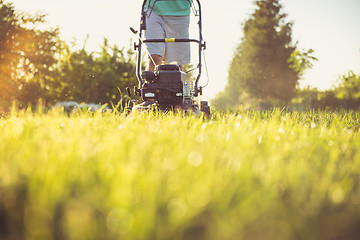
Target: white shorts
160, 27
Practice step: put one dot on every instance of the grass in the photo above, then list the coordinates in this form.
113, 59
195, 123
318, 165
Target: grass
250, 175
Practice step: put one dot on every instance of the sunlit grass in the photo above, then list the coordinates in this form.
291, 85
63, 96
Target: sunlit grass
250, 175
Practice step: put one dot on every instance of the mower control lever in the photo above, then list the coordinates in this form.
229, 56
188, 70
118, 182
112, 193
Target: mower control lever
133, 30
128, 91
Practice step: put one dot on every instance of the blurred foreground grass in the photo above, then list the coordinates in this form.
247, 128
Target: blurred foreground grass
251, 175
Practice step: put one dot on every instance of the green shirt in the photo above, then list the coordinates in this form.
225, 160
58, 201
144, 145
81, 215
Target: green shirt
170, 7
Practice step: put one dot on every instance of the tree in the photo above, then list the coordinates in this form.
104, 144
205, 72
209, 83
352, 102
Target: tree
26, 55
266, 64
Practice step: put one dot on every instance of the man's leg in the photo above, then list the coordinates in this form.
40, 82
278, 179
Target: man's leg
155, 30
177, 27
157, 59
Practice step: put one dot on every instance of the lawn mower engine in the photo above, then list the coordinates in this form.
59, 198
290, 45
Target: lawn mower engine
167, 89
164, 86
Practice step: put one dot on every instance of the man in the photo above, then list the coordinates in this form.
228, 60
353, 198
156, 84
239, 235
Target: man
168, 19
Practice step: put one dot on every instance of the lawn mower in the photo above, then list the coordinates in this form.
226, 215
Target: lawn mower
168, 88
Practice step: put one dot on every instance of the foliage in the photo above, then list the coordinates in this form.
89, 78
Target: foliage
264, 53
266, 65
249, 175
345, 95
301, 60
307, 98
37, 64
93, 77
349, 86
26, 55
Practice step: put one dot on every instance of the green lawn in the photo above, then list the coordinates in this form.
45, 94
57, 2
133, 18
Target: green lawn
250, 175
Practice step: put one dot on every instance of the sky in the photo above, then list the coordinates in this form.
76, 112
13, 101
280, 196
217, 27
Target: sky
330, 27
